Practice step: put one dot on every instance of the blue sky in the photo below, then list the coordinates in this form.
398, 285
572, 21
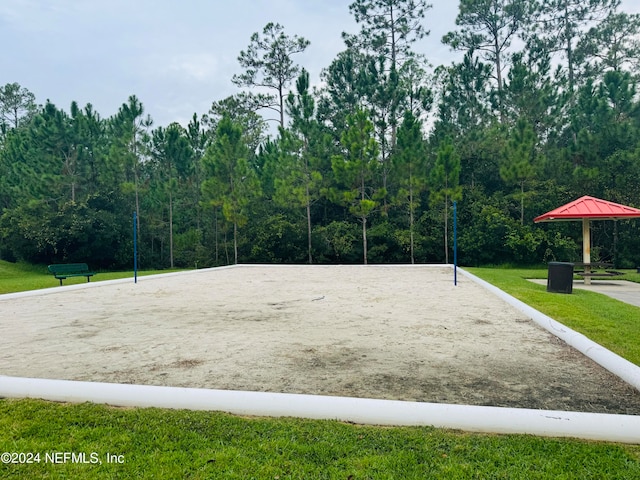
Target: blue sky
177, 57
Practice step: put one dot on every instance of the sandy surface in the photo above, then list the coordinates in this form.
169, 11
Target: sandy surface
396, 332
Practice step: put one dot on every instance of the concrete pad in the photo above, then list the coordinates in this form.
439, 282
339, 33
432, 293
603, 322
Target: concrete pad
623, 290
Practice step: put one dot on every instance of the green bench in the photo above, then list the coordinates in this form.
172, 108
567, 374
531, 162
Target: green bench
67, 270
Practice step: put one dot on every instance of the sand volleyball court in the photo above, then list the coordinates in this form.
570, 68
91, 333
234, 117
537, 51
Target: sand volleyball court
387, 332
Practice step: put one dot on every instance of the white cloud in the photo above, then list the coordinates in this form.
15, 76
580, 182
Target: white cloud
198, 67
177, 57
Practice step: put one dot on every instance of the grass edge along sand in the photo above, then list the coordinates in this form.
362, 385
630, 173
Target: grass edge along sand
609, 322
20, 277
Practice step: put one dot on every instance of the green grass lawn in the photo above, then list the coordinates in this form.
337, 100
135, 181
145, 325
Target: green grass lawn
172, 444
20, 277
161, 443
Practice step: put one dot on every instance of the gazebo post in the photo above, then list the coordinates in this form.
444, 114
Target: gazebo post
586, 249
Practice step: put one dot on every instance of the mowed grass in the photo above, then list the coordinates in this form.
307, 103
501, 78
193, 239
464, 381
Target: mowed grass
607, 321
162, 443
171, 444
20, 277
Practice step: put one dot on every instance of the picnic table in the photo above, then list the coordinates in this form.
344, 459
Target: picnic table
595, 269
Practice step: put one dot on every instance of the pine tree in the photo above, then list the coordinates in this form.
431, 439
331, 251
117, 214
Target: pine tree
444, 180
355, 171
410, 168
230, 181
268, 63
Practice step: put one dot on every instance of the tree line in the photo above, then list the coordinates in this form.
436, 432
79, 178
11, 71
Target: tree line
541, 108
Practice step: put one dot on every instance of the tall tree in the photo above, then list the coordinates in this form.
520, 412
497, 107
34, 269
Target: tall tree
416, 86
605, 118
388, 30
488, 27
173, 153
355, 171
57, 135
268, 63
344, 90
612, 44
388, 27
383, 99
410, 168
17, 105
359, 81
25, 171
230, 181
300, 178
131, 131
518, 165
91, 132
198, 141
241, 109
560, 24
445, 184
57, 153
531, 93
463, 98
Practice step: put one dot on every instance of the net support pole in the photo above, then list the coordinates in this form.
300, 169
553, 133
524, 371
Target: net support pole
135, 248
455, 242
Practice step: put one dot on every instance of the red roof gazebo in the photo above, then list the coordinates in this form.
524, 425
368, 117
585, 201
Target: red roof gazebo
586, 209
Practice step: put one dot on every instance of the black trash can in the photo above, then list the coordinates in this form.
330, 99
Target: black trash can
560, 277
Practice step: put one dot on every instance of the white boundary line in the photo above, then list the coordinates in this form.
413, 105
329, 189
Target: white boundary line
592, 426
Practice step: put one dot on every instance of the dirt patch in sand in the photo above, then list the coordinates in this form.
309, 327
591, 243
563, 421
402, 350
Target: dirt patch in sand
391, 332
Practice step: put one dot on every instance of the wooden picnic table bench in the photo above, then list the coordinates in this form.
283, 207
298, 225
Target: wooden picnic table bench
62, 271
